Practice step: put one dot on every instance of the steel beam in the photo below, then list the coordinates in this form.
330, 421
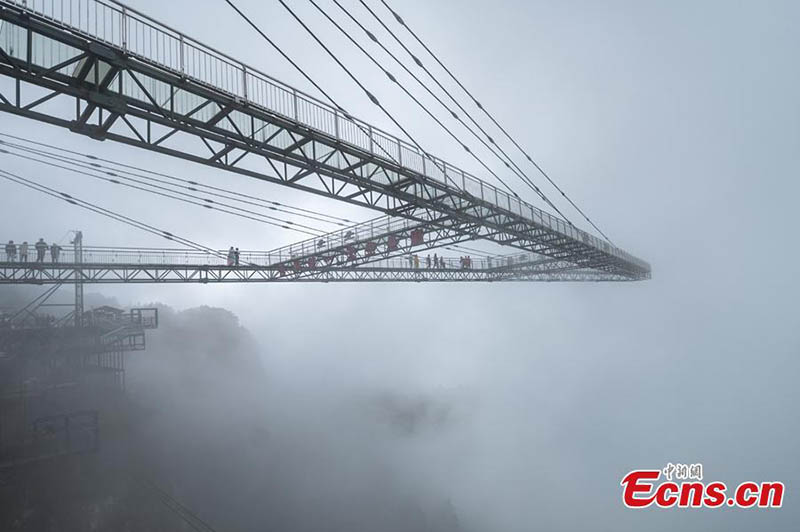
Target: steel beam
399, 271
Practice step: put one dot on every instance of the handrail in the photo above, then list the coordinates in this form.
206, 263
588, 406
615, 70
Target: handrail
100, 257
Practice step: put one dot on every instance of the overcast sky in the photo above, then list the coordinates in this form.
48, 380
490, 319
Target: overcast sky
676, 125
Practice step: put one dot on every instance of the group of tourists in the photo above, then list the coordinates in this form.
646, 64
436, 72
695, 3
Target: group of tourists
437, 263
40, 247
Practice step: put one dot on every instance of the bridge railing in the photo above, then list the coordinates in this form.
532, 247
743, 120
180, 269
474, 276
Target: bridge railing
137, 34
155, 257
367, 231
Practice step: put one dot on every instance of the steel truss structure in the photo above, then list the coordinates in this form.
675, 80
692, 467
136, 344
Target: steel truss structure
134, 80
150, 273
50, 373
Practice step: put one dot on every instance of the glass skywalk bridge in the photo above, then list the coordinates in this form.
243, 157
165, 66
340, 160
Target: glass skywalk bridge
137, 81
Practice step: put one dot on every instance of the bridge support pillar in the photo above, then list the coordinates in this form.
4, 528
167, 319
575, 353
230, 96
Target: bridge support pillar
77, 244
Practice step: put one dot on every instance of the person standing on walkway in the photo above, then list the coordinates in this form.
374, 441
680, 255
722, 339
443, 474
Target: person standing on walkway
55, 251
23, 252
11, 251
41, 249
236, 257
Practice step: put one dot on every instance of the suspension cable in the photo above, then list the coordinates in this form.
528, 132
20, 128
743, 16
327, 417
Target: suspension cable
73, 200
202, 202
479, 105
93, 167
269, 203
321, 90
505, 158
371, 96
333, 102
394, 80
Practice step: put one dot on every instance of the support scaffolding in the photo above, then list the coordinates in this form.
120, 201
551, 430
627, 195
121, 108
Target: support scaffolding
77, 244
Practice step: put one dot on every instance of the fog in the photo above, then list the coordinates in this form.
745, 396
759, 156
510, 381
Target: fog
493, 407
256, 448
